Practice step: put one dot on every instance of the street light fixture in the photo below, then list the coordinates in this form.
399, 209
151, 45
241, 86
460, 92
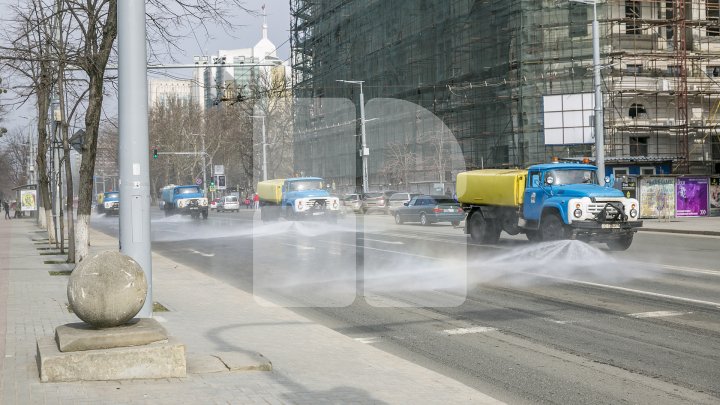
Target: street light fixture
364, 151
597, 81
264, 146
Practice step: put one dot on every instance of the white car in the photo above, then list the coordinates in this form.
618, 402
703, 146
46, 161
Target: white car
228, 203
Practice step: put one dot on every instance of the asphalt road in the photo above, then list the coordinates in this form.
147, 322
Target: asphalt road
561, 322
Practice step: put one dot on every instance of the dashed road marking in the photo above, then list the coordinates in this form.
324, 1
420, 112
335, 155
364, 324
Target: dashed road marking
201, 253
657, 314
300, 246
368, 340
474, 329
384, 241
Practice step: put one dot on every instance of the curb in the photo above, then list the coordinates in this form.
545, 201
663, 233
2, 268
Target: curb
685, 231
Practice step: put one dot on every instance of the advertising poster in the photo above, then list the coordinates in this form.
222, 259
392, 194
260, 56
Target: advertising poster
715, 196
692, 196
28, 200
657, 197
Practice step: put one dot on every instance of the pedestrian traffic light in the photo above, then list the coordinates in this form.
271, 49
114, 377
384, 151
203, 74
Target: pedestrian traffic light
155, 153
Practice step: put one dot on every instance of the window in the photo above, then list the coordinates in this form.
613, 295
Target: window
712, 71
578, 20
713, 16
632, 13
638, 146
637, 110
620, 171
673, 70
647, 170
634, 69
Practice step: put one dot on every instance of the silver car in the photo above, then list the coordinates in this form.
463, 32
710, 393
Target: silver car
398, 200
228, 203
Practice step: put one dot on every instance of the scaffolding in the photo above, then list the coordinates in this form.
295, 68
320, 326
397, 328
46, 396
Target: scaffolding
484, 67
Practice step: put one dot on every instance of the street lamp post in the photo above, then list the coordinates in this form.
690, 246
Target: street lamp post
597, 82
364, 151
264, 146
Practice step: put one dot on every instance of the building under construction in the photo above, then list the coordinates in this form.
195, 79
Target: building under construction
513, 79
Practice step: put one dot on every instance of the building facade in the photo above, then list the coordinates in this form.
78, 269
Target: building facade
496, 73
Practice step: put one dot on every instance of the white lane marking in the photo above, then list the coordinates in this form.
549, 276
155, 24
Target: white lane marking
559, 322
692, 270
368, 340
299, 246
657, 314
160, 319
465, 331
201, 253
383, 241
631, 290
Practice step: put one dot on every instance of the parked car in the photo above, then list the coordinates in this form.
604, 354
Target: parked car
228, 203
398, 200
376, 201
428, 209
214, 203
352, 202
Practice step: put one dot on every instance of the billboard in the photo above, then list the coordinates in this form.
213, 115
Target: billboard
568, 119
692, 196
657, 197
28, 200
714, 196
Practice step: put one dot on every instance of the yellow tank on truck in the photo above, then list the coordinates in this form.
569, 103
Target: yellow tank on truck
270, 190
498, 187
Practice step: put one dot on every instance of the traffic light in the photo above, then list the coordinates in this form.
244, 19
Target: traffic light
212, 182
155, 153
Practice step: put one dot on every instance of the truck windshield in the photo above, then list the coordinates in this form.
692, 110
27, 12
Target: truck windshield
187, 190
305, 185
572, 176
112, 195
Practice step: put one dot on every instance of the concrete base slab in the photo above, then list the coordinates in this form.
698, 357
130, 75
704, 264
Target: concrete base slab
74, 337
204, 364
154, 360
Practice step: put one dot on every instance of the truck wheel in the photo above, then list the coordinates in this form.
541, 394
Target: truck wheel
455, 223
622, 243
398, 220
483, 230
167, 212
423, 220
533, 236
552, 228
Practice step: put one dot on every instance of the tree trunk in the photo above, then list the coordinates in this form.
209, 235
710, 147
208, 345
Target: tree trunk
43, 103
95, 70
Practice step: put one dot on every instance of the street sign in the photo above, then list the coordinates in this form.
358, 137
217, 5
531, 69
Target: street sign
198, 181
219, 169
211, 189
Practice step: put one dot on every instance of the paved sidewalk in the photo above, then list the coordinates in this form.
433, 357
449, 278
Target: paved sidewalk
312, 364
691, 225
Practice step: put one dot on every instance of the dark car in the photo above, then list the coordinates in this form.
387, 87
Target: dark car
428, 209
377, 201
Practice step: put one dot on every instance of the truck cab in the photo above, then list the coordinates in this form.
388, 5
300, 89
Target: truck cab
297, 198
185, 200
108, 203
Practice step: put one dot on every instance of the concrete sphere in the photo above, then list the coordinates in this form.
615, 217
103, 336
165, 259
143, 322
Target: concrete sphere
107, 290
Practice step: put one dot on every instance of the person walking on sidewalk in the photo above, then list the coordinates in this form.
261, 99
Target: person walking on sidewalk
256, 201
6, 207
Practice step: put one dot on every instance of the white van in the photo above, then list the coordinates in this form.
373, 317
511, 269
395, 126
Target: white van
228, 203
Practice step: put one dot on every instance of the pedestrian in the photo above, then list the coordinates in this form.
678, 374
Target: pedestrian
247, 203
256, 201
6, 207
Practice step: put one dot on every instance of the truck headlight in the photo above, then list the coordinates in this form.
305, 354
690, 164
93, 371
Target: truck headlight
299, 205
181, 203
633, 213
577, 213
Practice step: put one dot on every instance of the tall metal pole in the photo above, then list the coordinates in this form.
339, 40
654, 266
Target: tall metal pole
599, 118
264, 149
205, 190
365, 151
134, 144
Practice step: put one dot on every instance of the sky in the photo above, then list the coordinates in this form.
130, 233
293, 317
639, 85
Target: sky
245, 34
